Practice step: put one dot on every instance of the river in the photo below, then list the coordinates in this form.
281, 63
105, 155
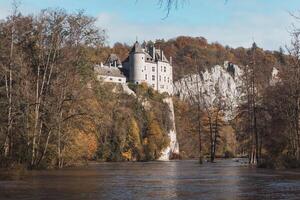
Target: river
224, 180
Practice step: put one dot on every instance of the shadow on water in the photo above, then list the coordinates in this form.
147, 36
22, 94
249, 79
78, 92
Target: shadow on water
224, 180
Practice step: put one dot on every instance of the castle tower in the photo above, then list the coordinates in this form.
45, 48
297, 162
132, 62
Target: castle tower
137, 62
150, 66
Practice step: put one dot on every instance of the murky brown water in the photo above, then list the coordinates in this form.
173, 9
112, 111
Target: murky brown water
225, 180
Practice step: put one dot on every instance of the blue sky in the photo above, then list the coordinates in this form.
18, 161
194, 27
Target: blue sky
235, 23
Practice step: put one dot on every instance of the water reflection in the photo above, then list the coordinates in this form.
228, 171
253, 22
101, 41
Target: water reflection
224, 180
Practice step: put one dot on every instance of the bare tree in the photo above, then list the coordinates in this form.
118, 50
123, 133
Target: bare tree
249, 109
292, 81
42, 61
192, 84
9, 82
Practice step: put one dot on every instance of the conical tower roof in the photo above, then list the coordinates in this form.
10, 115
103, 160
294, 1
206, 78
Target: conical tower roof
137, 48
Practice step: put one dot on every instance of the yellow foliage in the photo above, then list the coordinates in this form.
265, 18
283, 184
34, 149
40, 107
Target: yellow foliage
155, 140
145, 141
134, 149
82, 146
144, 86
134, 133
87, 143
155, 130
127, 155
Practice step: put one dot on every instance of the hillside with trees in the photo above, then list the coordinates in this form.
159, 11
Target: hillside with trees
55, 113
196, 55
266, 123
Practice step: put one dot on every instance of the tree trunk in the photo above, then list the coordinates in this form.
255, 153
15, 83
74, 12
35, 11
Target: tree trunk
36, 119
199, 134
211, 139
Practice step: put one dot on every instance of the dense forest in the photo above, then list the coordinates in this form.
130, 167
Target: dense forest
55, 113
266, 123
252, 131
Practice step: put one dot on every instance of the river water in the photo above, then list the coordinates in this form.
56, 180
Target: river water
226, 180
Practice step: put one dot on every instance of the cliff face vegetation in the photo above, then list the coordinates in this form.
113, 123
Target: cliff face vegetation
265, 127
127, 128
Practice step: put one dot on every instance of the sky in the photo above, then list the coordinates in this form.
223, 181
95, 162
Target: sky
233, 22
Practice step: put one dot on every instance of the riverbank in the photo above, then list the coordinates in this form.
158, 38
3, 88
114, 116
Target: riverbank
225, 179
17, 168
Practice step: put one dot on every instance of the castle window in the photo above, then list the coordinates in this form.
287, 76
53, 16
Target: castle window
120, 79
162, 86
153, 69
110, 79
145, 76
153, 85
165, 69
153, 78
165, 79
168, 79
159, 77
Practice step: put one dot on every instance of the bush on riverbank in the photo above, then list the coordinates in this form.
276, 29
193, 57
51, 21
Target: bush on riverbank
188, 138
281, 162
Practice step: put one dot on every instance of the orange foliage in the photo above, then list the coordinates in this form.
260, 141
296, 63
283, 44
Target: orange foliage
87, 144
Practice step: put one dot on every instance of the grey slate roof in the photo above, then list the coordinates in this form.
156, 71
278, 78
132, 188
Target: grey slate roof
113, 58
137, 48
108, 71
160, 55
148, 57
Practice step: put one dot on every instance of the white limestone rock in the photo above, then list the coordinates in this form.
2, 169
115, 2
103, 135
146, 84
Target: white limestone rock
173, 147
228, 83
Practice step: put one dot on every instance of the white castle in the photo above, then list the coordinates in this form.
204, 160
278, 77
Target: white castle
150, 66
143, 65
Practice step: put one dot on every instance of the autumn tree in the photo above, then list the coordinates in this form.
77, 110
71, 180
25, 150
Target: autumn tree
43, 61
134, 141
291, 80
155, 140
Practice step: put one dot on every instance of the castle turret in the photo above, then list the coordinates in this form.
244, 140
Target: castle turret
138, 60
150, 65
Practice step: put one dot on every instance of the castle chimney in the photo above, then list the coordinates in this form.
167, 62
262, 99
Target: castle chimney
153, 52
161, 55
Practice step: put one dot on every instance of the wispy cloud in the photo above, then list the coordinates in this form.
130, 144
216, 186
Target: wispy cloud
236, 24
269, 31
